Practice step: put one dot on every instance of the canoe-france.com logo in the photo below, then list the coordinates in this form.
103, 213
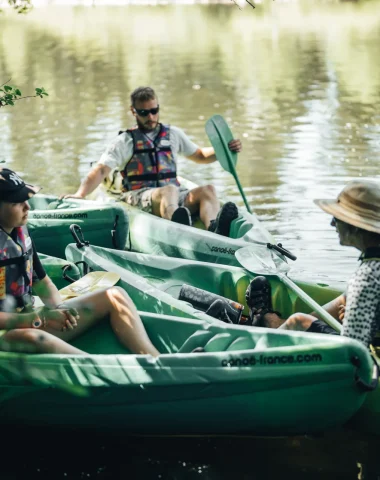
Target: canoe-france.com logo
214, 248
271, 360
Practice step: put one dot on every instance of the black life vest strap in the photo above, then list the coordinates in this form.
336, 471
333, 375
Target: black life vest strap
151, 176
15, 260
21, 261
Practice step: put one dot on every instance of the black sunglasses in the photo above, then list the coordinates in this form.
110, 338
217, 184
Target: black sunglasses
144, 113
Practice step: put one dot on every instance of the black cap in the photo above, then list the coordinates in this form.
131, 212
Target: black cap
13, 189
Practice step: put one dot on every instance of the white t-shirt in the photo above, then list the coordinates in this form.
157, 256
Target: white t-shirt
120, 151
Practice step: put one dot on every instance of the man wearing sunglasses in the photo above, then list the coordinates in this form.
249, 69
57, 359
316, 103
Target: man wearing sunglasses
146, 157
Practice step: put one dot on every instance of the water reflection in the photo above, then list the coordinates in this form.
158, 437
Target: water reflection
298, 82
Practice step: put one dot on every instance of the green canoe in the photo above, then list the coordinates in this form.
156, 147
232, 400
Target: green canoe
151, 234
254, 381
294, 378
49, 223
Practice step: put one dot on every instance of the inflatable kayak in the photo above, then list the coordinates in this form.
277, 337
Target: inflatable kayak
254, 381
154, 282
49, 221
155, 235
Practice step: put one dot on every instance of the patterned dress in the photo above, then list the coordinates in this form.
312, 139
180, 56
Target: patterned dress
362, 316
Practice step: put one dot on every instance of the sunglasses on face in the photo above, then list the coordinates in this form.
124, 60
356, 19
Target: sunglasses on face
144, 113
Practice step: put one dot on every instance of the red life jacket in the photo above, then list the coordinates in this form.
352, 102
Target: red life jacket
16, 266
152, 164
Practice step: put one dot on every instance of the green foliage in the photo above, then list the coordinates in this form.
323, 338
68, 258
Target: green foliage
20, 6
10, 94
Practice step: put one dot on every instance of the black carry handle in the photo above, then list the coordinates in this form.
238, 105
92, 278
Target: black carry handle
77, 233
282, 250
86, 268
364, 386
113, 233
65, 268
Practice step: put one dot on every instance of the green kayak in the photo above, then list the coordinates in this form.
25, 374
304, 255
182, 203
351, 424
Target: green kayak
49, 223
294, 378
155, 235
254, 381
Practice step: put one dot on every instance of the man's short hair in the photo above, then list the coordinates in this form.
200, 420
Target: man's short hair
142, 94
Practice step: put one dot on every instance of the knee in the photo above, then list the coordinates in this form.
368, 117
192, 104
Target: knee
209, 191
168, 191
117, 293
298, 321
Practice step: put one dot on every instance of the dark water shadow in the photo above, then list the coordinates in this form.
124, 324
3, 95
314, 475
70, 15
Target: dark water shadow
47, 454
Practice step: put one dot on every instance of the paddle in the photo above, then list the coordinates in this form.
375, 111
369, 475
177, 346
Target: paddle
220, 134
268, 263
90, 283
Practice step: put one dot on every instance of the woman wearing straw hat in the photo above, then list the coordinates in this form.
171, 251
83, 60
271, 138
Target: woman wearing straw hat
356, 217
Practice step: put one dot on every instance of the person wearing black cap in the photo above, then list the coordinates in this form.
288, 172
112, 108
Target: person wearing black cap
48, 329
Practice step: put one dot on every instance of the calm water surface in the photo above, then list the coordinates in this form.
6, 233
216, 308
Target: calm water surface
298, 82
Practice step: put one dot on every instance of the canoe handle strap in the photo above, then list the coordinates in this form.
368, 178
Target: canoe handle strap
364, 386
113, 233
282, 250
86, 268
77, 233
65, 268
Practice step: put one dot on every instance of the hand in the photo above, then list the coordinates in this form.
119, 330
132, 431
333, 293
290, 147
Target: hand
72, 195
235, 145
60, 318
341, 312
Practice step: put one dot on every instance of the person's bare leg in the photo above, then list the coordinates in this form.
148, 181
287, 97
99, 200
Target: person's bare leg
124, 318
29, 340
204, 200
165, 201
298, 321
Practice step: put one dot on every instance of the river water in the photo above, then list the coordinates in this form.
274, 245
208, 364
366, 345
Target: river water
298, 82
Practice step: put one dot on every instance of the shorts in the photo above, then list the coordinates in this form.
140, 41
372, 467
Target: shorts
321, 327
142, 198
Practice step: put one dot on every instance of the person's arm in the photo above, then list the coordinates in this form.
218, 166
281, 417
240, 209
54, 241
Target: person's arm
96, 175
48, 292
195, 153
207, 154
116, 155
10, 321
335, 308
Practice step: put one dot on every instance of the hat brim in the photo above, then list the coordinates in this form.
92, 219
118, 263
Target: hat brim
23, 194
340, 212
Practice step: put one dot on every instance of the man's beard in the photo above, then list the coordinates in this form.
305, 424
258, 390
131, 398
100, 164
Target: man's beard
148, 128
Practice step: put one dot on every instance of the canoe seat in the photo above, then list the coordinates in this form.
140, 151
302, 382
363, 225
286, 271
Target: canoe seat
197, 339
221, 342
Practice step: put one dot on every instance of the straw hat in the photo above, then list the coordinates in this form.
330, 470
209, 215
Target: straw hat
357, 204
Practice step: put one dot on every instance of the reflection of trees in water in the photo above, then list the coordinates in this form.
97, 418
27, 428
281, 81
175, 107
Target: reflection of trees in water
278, 74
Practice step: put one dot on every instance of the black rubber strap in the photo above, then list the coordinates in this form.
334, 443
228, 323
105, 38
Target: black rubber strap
151, 176
15, 260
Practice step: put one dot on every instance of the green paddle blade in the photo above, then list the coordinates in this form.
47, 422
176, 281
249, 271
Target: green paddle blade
220, 134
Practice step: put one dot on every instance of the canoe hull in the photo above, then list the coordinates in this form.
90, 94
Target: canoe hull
229, 391
49, 223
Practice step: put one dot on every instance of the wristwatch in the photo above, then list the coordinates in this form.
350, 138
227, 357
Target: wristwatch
37, 323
